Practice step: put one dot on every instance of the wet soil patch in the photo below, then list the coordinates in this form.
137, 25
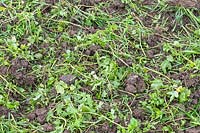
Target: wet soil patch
134, 84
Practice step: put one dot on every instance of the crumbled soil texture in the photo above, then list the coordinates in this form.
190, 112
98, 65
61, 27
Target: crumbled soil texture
134, 84
124, 62
91, 2
185, 3
104, 128
4, 111
3, 70
20, 72
39, 115
148, 2
68, 79
187, 79
193, 130
195, 97
48, 127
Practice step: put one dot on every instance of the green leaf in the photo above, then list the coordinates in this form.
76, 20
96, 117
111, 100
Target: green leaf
133, 124
157, 84
183, 97
166, 65
60, 88
2, 8
173, 94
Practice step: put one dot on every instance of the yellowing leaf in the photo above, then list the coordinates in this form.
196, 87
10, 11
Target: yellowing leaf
2, 8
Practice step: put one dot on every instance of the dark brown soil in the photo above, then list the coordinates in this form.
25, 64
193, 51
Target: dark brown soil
134, 84
124, 62
193, 130
68, 79
39, 115
20, 72
51, 1
185, 3
139, 114
4, 111
187, 79
66, 131
154, 40
148, 2
48, 127
91, 2
116, 7
92, 50
104, 128
195, 96
3, 70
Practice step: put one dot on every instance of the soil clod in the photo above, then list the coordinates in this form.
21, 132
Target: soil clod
48, 127
68, 79
20, 72
134, 83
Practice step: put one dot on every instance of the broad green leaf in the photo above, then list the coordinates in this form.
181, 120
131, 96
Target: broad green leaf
166, 65
133, 124
2, 8
157, 84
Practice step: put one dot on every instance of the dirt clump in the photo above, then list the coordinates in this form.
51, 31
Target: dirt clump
68, 79
92, 50
39, 115
116, 7
48, 127
195, 96
187, 79
3, 70
20, 72
153, 40
4, 111
134, 83
193, 130
104, 128
139, 114
151, 53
